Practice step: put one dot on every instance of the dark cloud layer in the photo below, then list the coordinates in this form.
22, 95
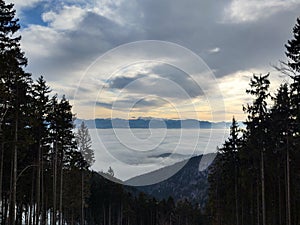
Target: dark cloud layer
163, 81
132, 104
123, 81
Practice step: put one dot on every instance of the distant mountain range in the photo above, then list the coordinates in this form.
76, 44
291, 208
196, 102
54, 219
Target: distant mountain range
189, 182
145, 123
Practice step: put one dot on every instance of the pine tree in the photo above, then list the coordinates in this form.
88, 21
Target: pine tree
53, 126
293, 49
280, 135
222, 186
110, 172
293, 53
63, 139
257, 128
40, 109
84, 143
14, 83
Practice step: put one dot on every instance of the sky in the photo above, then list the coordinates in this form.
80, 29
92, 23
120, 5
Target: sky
165, 59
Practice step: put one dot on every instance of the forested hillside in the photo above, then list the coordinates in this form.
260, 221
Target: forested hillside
111, 203
187, 184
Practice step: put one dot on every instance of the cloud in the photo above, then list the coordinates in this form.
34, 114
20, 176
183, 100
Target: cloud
133, 104
20, 4
104, 104
38, 42
64, 51
240, 11
180, 78
162, 80
214, 50
66, 19
122, 82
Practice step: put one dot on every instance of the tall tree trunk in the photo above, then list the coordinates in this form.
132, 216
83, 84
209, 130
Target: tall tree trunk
263, 189
10, 188
82, 197
19, 214
2, 156
46, 218
31, 214
38, 185
121, 214
252, 214
5, 212
2, 209
72, 217
279, 192
109, 213
61, 191
257, 203
104, 214
288, 198
1, 173
242, 213
42, 189
218, 211
236, 197
54, 184
26, 214
15, 160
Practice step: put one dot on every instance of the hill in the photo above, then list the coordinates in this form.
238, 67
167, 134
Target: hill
187, 183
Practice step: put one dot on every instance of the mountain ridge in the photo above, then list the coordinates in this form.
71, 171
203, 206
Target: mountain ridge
146, 123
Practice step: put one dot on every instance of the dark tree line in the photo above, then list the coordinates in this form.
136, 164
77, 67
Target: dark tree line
114, 204
255, 178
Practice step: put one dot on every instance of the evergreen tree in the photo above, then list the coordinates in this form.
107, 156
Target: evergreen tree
63, 139
293, 54
110, 172
280, 137
293, 49
84, 143
257, 128
14, 87
226, 166
40, 109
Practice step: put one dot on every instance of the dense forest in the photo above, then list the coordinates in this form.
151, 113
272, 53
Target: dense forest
255, 178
